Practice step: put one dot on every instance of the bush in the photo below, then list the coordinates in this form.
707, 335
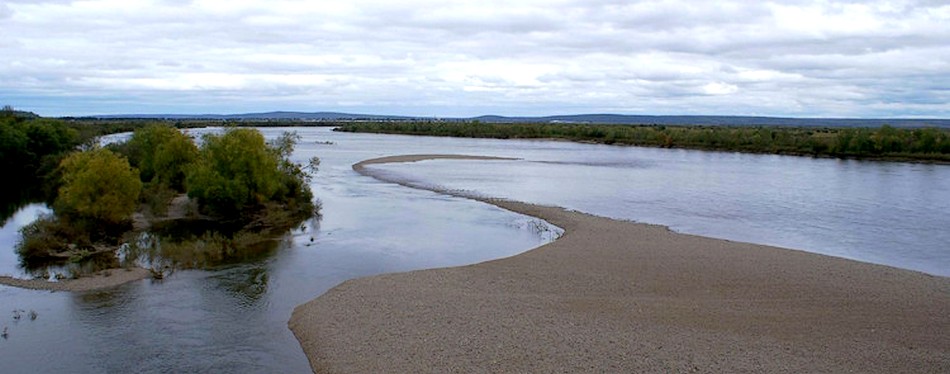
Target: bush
240, 177
99, 187
31, 148
14, 154
162, 154
235, 172
48, 236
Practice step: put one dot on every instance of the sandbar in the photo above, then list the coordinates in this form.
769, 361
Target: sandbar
100, 280
618, 296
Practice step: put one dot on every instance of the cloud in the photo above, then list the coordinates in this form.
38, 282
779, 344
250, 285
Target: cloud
427, 57
719, 88
5, 11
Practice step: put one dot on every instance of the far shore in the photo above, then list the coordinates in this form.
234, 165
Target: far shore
619, 296
100, 280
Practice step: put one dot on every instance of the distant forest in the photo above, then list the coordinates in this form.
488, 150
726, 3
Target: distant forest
315, 118
882, 143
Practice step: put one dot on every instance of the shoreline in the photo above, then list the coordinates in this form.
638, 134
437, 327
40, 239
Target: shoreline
615, 295
786, 149
97, 281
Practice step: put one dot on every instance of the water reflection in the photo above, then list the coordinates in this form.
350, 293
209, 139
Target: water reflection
14, 197
169, 245
249, 285
10, 263
187, 244
98, 301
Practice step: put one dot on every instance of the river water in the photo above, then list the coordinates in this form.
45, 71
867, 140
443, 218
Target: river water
895, 214
234, 318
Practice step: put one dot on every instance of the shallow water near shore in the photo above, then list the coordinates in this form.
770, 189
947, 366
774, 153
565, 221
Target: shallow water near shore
234, 318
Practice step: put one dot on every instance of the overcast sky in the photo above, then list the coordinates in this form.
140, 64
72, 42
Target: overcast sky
462, 58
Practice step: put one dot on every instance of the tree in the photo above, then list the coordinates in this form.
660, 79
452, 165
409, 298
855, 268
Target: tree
234, 172
13, 149
98, 186
30, 152
162, 154
294, 190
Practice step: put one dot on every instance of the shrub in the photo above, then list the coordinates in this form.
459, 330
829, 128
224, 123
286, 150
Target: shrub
48, 236
99, 187
235, 172
162, 154
30, 149
238, 176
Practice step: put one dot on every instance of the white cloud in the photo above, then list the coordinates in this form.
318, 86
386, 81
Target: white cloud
814, 58
719, 88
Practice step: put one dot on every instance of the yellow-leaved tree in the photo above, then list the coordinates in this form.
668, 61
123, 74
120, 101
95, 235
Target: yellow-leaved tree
98, 186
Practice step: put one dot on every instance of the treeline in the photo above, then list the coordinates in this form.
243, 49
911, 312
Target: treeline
31, 149
116, 125
886, 142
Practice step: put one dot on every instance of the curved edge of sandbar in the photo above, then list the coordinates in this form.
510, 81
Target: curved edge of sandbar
514, 206
100, 280
423, 157
620, 296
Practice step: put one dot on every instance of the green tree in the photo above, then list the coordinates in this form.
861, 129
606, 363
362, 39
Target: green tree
926, 140
30, 151
294, 191
887, 139
235, 172
843, 141
13, 147
98, 186
48, 137
162, 154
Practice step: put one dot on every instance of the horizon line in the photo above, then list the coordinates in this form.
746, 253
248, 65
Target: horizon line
432, 116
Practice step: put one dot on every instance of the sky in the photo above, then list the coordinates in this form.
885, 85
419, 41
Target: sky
447, 58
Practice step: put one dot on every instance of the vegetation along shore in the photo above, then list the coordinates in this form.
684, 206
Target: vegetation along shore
883, 143
158, 200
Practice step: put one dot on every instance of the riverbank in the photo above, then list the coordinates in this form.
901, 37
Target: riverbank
615, 296
100, 280
928, 145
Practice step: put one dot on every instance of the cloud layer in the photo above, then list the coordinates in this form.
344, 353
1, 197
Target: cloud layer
447, 58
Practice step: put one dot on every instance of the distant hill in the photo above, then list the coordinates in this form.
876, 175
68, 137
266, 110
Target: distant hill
317, 116
19, 113
576, 118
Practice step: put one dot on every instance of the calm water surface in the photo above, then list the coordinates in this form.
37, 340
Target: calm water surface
233, 319
895, 214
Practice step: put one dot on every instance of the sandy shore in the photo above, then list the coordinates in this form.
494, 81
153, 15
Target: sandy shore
614, 296
100, 280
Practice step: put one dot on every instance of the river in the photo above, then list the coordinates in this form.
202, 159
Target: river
233, 318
